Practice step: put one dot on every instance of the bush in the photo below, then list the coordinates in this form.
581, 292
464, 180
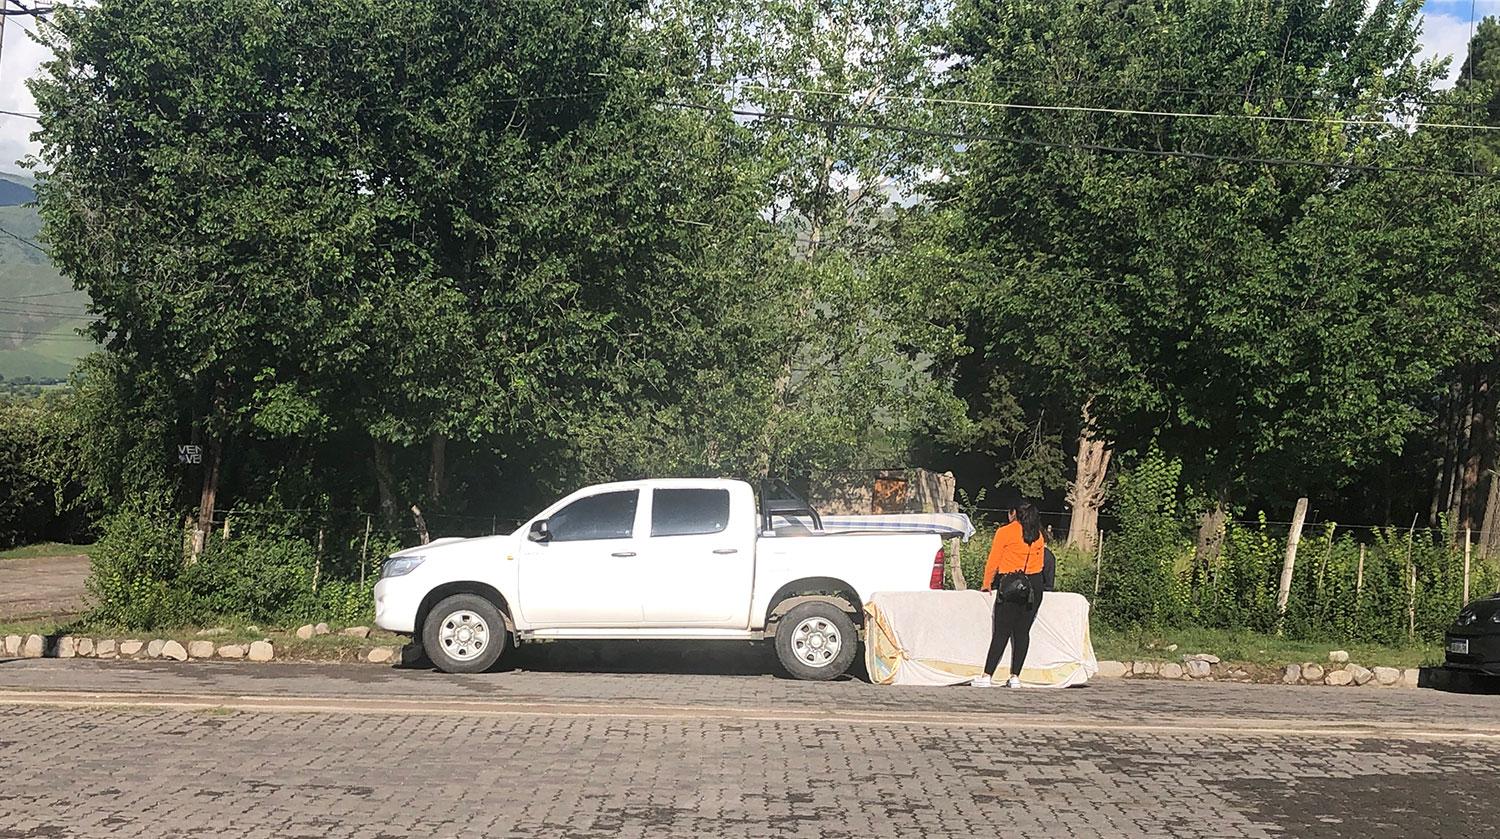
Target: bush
1140, 583
39, 486
1147, 578
141, 579
137, 559
251, 576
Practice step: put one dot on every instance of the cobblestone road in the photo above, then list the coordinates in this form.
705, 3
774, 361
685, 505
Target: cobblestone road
382, 752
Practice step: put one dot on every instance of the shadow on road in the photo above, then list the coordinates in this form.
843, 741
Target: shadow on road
695, 658
1455, 681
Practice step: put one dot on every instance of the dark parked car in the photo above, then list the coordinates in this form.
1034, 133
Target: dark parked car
1473, 641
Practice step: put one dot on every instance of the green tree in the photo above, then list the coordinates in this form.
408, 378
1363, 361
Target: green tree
317, 229
1153, 271
844, 372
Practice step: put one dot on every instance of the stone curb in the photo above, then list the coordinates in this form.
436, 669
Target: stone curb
1204, 668
166, 649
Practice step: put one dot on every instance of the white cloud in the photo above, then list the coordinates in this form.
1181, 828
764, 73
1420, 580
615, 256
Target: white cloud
1445, 35
19, 61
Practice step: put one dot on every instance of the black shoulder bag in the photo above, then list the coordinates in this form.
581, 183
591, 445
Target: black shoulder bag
1016, 587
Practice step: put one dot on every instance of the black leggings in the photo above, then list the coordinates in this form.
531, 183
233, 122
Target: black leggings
1012, 626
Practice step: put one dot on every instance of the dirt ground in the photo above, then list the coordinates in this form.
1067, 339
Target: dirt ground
42, 587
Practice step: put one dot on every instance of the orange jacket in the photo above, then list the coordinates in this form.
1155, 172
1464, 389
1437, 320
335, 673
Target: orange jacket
1009, 553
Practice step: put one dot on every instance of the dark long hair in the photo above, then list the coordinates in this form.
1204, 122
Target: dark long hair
1031, 521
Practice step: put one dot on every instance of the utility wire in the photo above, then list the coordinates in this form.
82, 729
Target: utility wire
845, 94
44, 315
1096, 147
25, 241
43, 294
1225, 94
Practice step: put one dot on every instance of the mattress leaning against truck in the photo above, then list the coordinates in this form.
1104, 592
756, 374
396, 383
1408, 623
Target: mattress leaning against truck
941, 638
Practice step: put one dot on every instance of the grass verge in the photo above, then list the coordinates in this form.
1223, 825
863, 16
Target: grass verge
1253, 648
46, 549
1248, 648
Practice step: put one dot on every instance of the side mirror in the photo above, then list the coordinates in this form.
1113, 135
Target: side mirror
539, 532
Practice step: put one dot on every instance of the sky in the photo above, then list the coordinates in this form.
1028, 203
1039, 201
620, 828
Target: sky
1445, 31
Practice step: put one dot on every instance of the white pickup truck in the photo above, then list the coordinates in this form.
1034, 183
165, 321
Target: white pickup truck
681, 559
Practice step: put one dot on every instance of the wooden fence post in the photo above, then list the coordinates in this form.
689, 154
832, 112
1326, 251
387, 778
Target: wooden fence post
1323, 567
957, 570
1359, 580
1098, 562
318, 561
1411, 585
1468, 556
364, 552
1284, 591
416, 514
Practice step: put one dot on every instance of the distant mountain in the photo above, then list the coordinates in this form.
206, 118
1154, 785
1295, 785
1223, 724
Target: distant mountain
16, 190
39, 309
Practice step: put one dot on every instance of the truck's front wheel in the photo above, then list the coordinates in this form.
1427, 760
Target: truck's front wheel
464, 633
816, 641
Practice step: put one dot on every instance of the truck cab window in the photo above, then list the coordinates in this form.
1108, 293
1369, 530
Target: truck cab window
608, 515
687, 512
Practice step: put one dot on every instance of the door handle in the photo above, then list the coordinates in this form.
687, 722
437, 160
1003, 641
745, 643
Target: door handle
623, 554
726, 551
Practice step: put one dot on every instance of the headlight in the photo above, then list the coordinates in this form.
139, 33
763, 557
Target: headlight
1495, 618
397, 566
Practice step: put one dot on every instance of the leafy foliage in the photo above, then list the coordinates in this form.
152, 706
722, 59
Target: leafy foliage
1216, 306
39, 471
371, 255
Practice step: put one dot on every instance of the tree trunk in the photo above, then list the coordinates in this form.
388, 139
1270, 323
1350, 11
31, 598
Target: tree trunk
1463, 432
416, 515
1480, 446
213, 456
1489, 538
773, 418
1086, 493
436, 474
1442, 481
385, 483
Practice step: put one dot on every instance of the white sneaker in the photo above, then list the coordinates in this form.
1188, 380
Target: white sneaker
983, 681
1013, 682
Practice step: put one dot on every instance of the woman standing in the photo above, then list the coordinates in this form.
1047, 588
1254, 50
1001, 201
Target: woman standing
1014, 571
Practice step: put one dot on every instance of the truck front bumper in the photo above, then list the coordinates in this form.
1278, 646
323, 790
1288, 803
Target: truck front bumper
396, 605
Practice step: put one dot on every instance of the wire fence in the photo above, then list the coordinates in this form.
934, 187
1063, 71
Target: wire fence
1372, 583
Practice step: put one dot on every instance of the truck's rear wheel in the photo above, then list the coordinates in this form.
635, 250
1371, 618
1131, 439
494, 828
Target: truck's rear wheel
464, 633
816, 641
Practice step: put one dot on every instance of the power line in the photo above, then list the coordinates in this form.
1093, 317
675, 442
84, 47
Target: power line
25, 241
845, 94
35, 296
24, 10
1096, 147
44, 315
1244, 95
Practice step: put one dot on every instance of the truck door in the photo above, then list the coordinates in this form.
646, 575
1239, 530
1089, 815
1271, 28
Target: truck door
588, 572
700, 558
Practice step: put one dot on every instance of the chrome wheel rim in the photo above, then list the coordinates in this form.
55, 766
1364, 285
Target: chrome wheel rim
816, 642
464, 635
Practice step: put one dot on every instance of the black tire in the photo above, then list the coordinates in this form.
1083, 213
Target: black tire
796, 644
455, 653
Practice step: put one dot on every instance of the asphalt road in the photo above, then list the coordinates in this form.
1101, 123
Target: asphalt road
47, 586
158, 749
